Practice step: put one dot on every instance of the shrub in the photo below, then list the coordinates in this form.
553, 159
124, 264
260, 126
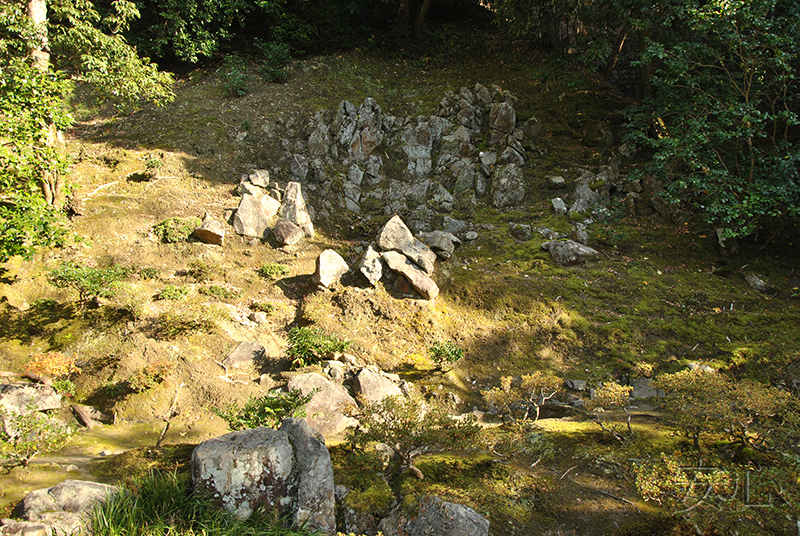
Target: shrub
308, 346
273, 270
64, 387
173, 293
533, 391
218, 291
28, 434
149, 273
276, 60
444, 353
269, 410
52, 365
611, 395
88, 282
234, 77
263, 307
150, 376
409, 427
201, 270
174, 230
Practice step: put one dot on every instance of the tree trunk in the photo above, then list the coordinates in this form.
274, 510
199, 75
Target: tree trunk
404, 13
422, 16
611, 63
40, 50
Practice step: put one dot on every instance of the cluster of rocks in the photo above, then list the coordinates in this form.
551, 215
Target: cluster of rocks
397, 249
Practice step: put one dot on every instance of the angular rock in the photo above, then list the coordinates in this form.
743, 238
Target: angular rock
326, 408
23, 397
330, 268
520, 231
502, 119
441, 242
567, 252
759, 285
415, 276
65, 508
369, 386
395, 236
246, 353
287, 233
255, 214
258, 177
211, 231
575, 385
293, 208
642, 389
508, 187
454, 226
371, 266
555, 182
435, 517
558, 205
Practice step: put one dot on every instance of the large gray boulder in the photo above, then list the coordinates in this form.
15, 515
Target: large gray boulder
330, 268
441, 242
508, 187
435, 517
287, 233
567, 252
63, 509
22, 398
327, 407
396, 236
371, 387
255, 215
287, 471
246, 354
421, 282
502, 119
293, 208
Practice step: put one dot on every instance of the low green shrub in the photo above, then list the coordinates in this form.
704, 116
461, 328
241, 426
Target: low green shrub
31, 433
201, 270
277, 58
89, 282
149, 272
273, 270
269, 410
174, 230
263, 307
219, 291
173, 293
445, 353
150, 376
234, 77
308, 346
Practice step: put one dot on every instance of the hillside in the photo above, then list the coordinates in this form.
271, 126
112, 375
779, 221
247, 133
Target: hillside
659, 297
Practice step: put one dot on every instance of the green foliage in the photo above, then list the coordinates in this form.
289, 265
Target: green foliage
273, 270
277, 58
30, 433
176, 229
264, 307
149, 272
612, 395
445, 353
201, 270
163, 503
308, 346
173, 292
150, 376
409, 426
268, 410
65, 387
234, 76
219, 291
723, 123
88, 282
533, 390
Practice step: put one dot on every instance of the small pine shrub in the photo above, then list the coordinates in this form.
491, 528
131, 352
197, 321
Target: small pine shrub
277, 58
263, 307
201, 270
88, 282
173, 293
30, 433
445, 353
173, 230
148, 273
308, 346
273, 270
269, 410
234, 76
218, 291
150, 376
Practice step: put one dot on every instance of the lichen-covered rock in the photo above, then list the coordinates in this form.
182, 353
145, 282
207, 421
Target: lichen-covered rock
245, 353
293, 208
435, 517
330, 268
211, 231
567, 252
502, 119
421, 282
395, 236
441, 242
287, 233
370, 386
508, 187
327, 407
371, 266
255, 215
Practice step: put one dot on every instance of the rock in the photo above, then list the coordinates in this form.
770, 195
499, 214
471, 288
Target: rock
580, 234
555, 182
298, 167
435, 517
211, 231
287, 233
508, 188
559, 206
258, 177
701, 366
584, 195
395, 236
65, 508
24, 528
336, 370
330, 268
642, 389
520, 231
21, 398
567, 252
441, 242
326, 408
269, 469
369, 386
502, 119
255, 214
415, 276
454, 226
471, 235
727, 244
575, 385
293, 208
358, 522
245, 354
371, 266
759, 285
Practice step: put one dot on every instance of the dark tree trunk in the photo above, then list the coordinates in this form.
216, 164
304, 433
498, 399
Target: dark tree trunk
422, 16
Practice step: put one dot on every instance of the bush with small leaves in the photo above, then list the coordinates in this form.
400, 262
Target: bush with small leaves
532, 391
444, 354
611, 395
234, 76
149, 272
173, 293
200, 270
308, 346
262, 307
273, 270
268, 410
174, 230
52, 365
150, 376
88, 282
219, 291
30, 433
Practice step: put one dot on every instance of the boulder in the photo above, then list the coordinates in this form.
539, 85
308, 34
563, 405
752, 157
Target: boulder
258, 177
287, 233
395, 236
441, 242
211, 231
330, 268
435, 517
370, 386
415, 276
520, 231
255, 214
63, 509
326, 408
287, 471
508, 187
371, 266
24, 397
558, 205
502, 119
245, 354
293, 208
567, 252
